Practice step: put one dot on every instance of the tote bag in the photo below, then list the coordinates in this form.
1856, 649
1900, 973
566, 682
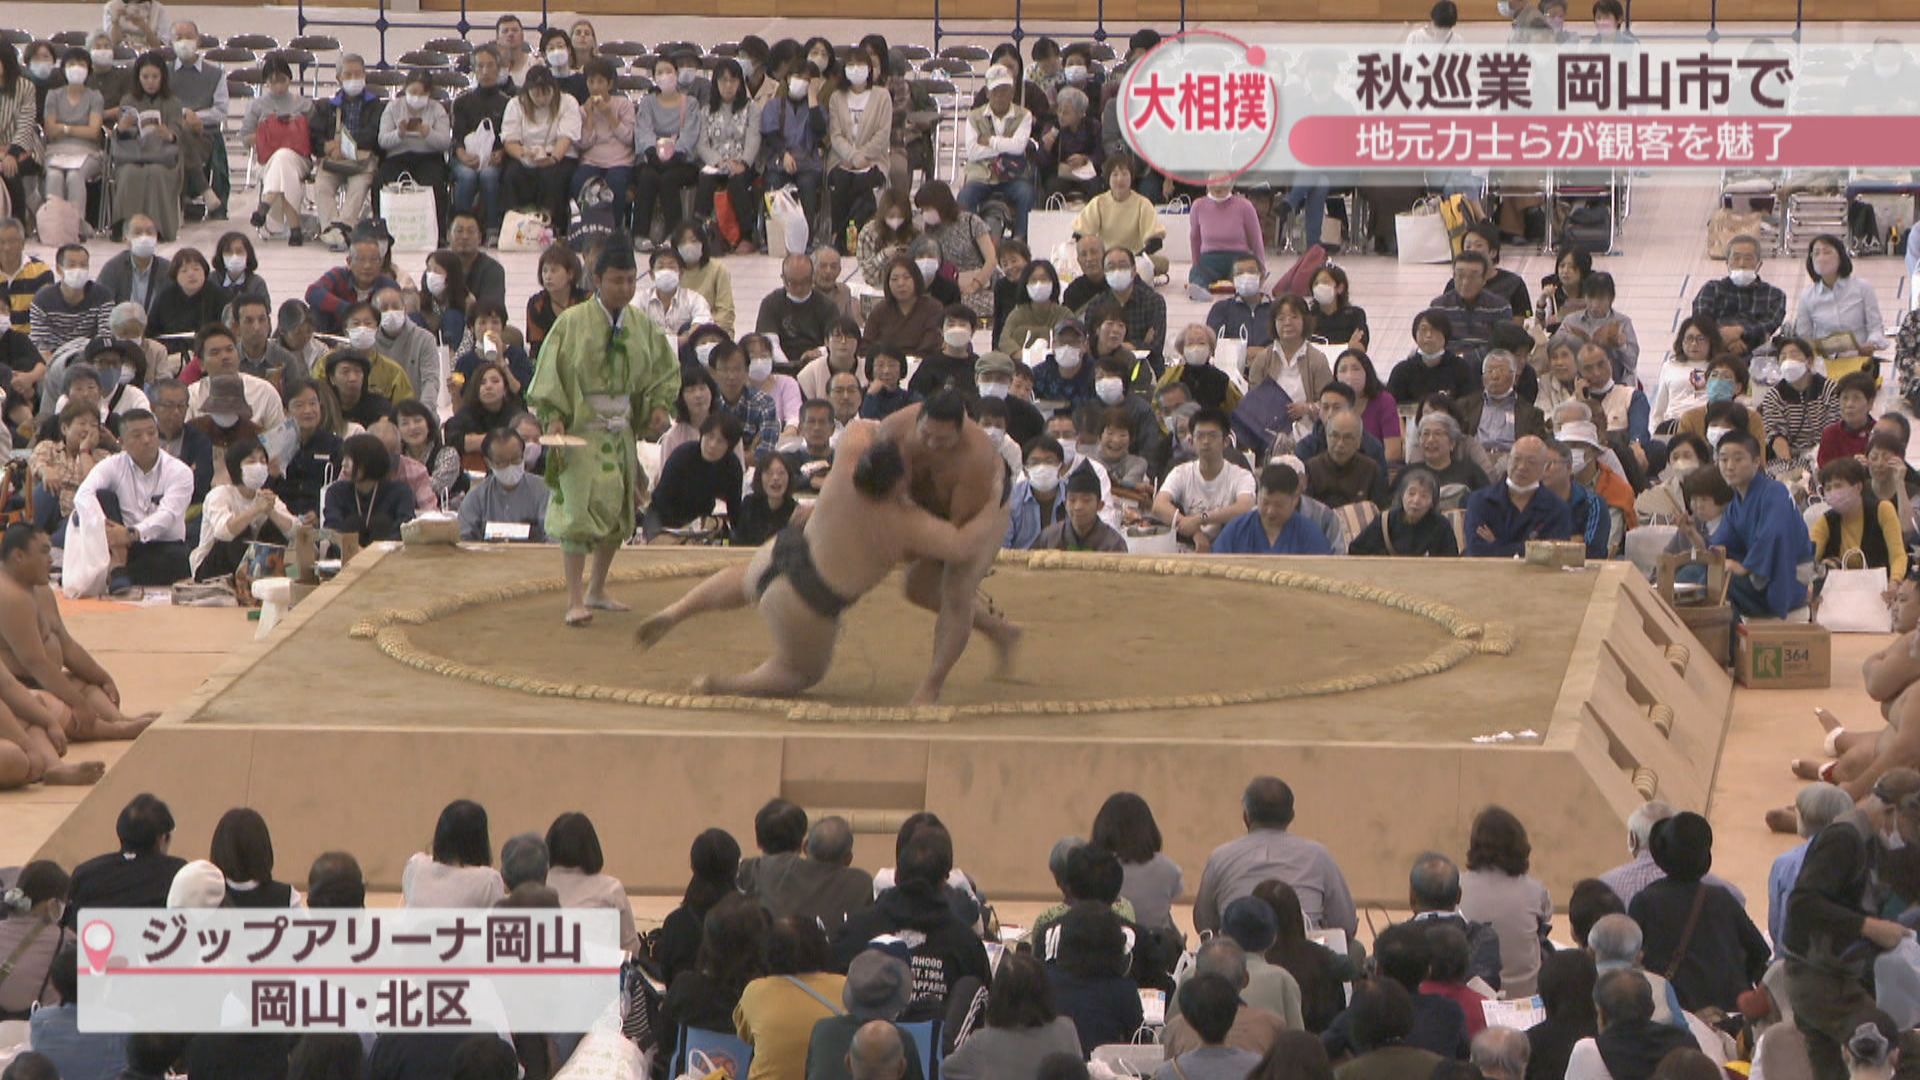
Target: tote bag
1421, 235
411, 215
1851, 598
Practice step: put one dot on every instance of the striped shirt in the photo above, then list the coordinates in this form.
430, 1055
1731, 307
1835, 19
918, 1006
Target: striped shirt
1799, 416
54, 321
32, 276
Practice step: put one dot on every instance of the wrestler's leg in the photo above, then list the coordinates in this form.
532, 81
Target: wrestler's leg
597, 598
37, 760
723, 591
1858, 759
959, 615
108, 722
803, 641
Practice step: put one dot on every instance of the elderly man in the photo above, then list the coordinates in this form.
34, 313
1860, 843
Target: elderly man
1341, 474
826, 279
344, 134
200, 86
1763, 536
1616, 943
1592, 525
170, 401
822, 886
509, 504
798, 314
1747, 310
996, 129
408, 344
1274, 526
1638, 872
1499, 415
137, 273
1501, 1053
1433, 889
341, 287
1640, 1019
139, 497
877, 1052
1091, 283
1269, 850
20, 276
75, 307
1254, 1028
1470, 309
1145, 309
1502, 517
1816, 806
220, 355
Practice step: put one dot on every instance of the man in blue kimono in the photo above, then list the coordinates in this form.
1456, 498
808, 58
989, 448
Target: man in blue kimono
1764, 537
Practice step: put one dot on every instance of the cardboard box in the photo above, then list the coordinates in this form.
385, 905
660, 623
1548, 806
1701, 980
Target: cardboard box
1783, 656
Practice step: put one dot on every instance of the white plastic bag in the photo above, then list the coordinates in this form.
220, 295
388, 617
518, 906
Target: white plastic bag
480, 140
410, 214
1851, 599
1421, 236
786, 222
1896, 981
84, 562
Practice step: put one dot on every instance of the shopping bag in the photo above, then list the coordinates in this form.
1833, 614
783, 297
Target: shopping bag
724, 219
786, 223
410, 214
522, 230
1459, 213
1851, 599
1421, 235
1230, 356
275, 133
480, 140
1896, 982
84, 562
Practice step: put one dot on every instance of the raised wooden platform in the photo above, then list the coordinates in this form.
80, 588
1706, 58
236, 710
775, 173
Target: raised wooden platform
342, 747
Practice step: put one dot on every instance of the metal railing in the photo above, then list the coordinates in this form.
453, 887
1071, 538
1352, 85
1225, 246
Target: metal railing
381, 23
1017, 30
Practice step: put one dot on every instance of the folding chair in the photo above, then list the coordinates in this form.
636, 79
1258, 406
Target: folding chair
425, 58
723, 1050
626, 50
256, 42
926, 1043
66, 39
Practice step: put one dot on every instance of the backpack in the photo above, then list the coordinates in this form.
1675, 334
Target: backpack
1298, 279
592, 216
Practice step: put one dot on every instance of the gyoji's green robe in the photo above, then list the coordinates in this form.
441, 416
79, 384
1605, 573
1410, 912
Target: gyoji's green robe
603, 384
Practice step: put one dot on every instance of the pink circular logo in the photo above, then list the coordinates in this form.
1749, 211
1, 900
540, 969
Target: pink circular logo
1200, 106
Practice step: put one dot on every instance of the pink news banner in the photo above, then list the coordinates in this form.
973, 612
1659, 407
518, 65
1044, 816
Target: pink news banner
1207, 104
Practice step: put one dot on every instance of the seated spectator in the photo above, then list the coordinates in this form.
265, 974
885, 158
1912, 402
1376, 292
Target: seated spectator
1498, 415
1021, 1027
1127, 472
1724, 954
308, 446
1121, 217
1501, 1053
1598, 323
136, 875
359, 280
1379, 410
715, 858
1404, 958
674, 309
294, 331
1747, 310
1502, 517
1856, 519
1447, 975
1336, 319
1037, 310
239, 513
885, 396
1433, 367
842, 354
777, 1012
1443, 449
58, 465
458, 872
945, 949
888, 236
1088, 976
753, 408
408, 471
1837, 311
1683, 374
1560, 381
509, 499
877, 990
905, 317
1000, 133
364, 503
348, 373
1412, 526
1268, 850
1193, 370
1341, 474
1069, 149
950, 368
1847, 435
1254, 1029
994, 374
1616, 943
698, 475
1210, 1004
1038, 500
1066, 376
1589, 458
1081, 528
1121, 395
798, 315
769, 504
1764, 536
1470, 309
490, 344
142, 495
54, 1028
487, 402
74, 307
820, 886
1496, 890
1592, 525
1248, 313
1222, 230
1801, 406
1434, 897
1293, 361
32, 938
576, 873
1630, 1043
1201, 496
1566, 991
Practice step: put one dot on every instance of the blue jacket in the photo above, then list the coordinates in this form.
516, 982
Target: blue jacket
799, 131
1245, 535
1546, 517
1023, 527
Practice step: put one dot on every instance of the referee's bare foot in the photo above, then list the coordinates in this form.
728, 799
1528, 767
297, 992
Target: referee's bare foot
579, 616
652, 631
606, 603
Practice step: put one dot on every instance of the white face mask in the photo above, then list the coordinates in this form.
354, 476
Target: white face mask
436, 283
558, 59
510, 475
1522, 489
931, 217
1246, 285
1039, 291
101, 57
235, 264
666, 281
928, 268
747, 67
224, 419
392, 322
1067, 452
1220, 196
1577, 461
1043, 477
143, 246
186, 50
1715, 434
688, 76
995, 389
1109, 390
1119, 280
857, 75
253, 474
353, 87
797, 88
416, 102
668, 83
76, 75
691, 253
1068, 357
1893, 841
1197, 355
74, 277
895, 221
360, 338
703, 350
1793, 370
996, 436
759, 370
956, 337
1325, 295
1743, 278
1075, 73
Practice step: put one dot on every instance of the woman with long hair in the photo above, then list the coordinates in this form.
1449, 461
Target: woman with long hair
147, 152
487, 402
443, 300
420, 439
733, 953
715, 860
1151, 881
1315, 967
729, 142
458, 870
562, 285
769, 505
538, 132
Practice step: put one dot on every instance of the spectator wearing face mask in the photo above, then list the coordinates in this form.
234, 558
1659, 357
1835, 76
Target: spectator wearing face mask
1038, 309
951, 367
1066, 375
1248, 313
1039, 498
1194, 369
1857, 520
1726, 388
993, 376
508, 495
1223, 229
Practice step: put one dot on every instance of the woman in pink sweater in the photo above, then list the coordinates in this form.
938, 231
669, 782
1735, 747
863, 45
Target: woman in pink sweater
1221, 228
